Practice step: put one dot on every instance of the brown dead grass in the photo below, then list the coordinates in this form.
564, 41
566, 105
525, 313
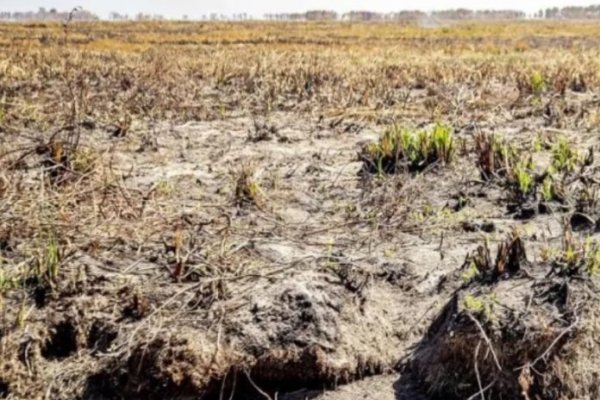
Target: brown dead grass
139, 255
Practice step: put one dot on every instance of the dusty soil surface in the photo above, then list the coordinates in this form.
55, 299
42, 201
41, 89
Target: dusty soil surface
317, 284
187, 212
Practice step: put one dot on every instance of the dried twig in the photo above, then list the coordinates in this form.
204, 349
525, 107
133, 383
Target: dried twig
255, 386
487, 340
549, 349
477, 370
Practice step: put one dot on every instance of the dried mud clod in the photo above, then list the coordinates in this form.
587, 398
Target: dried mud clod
176, 365
520, 336
292, 333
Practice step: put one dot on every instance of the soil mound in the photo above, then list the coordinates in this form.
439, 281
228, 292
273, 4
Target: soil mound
304, 329
516, 329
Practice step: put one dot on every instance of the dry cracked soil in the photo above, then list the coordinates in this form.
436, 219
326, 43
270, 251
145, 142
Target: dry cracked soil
247, 259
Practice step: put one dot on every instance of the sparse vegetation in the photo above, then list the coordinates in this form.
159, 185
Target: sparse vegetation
247, 188
552, 189
183, 211
537, 83
532, 188
402, 150
495, 158
523, 181
577, 258
564, 156
555, 291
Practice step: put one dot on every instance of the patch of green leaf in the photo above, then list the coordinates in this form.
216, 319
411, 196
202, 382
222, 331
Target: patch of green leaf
400, 149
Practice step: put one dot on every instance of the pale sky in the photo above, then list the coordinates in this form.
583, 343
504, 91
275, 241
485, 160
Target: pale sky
195, 9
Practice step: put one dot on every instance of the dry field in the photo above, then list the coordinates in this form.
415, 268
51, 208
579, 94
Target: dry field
299, 211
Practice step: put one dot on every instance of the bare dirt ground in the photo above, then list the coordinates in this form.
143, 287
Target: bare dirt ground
314, 290
252, 257
311, 287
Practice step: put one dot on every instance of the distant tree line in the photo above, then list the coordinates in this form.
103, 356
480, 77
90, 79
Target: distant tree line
589, 12
374, 16
115, 16
465, 14
456, 14
312, 15
47, 15
407, 15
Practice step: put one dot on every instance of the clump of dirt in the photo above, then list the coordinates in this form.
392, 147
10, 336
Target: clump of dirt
176, 363
307, 328
519, 335
300, 332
